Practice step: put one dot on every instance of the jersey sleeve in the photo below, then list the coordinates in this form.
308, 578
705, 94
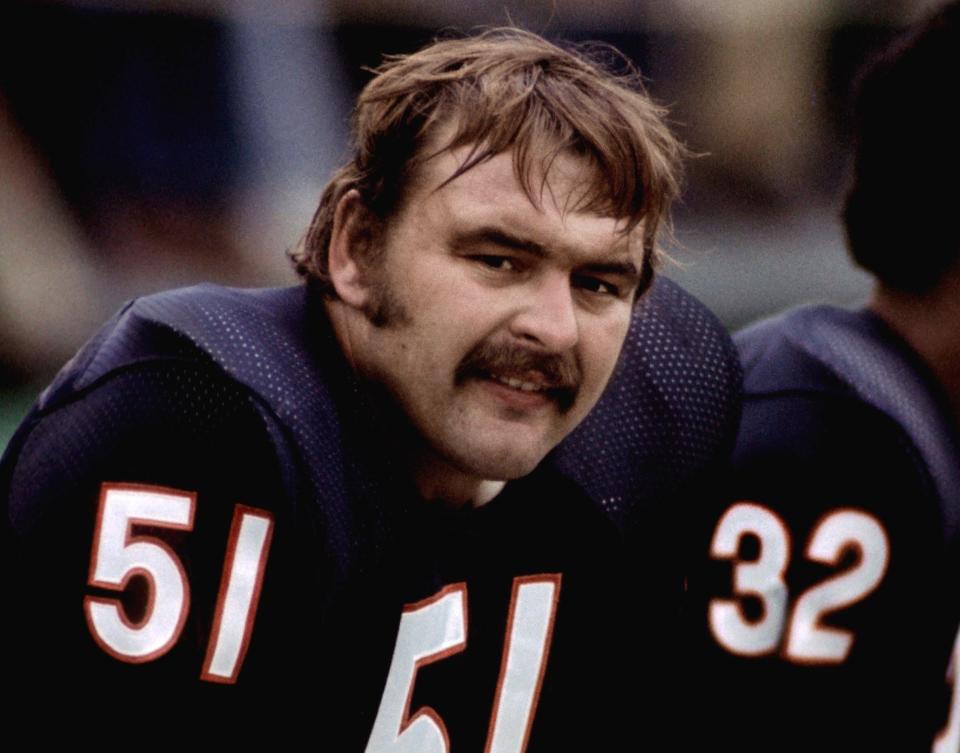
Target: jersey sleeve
821, 590
140, 520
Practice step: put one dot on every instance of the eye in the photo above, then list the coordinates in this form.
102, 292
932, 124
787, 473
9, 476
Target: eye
596, 285
500, 263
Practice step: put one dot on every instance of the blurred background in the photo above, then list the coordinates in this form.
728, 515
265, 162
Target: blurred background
147, 145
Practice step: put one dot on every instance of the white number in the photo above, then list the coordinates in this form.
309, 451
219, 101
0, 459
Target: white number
762, 578
430, 630
247, 550
948, 741
436, 628
118, 556
529, 629
808, 640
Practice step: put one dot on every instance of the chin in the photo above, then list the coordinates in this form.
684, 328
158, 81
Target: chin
501, 463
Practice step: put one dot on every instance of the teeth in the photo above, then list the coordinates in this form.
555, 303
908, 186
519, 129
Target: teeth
518, 384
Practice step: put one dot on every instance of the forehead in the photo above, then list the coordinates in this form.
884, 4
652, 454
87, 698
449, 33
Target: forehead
491, 194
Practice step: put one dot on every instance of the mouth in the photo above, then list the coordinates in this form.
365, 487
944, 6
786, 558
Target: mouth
519, 384
528, 390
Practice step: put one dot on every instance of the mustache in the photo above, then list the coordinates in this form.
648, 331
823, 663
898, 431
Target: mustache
561, 372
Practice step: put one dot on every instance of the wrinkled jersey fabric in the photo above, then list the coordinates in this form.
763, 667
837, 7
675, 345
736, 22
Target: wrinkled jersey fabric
242, 400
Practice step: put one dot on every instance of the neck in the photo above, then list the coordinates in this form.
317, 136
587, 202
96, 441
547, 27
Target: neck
345, 329
438, 481
930, 323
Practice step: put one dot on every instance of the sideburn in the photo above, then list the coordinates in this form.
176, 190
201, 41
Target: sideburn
384, 310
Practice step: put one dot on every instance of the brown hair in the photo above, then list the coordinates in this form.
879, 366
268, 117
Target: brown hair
503, 89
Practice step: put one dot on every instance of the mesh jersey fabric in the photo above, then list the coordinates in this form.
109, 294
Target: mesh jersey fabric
239, 397
839, 417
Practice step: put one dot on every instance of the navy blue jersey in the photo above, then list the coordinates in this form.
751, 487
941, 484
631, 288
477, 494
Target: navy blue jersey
207, 524
826, 603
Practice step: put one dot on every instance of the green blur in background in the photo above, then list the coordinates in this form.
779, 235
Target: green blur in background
14, 405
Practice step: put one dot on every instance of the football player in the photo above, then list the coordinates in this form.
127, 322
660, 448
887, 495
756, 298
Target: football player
831, 590
324, 511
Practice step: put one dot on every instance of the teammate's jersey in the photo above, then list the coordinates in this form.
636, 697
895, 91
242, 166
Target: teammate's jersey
829, 593
208, 525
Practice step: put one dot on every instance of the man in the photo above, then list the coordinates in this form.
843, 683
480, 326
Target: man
831, 593
325, 510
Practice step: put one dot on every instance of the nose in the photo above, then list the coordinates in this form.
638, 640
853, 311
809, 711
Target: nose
548, 316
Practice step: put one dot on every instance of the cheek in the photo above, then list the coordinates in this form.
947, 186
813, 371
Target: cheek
454, 315
438, 297
442, 334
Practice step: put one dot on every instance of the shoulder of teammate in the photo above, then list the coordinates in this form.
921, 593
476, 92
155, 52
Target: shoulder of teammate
809, 443
812, 450
822, 571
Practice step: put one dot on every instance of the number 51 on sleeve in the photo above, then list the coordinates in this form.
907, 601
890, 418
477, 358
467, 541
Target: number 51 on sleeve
118, 555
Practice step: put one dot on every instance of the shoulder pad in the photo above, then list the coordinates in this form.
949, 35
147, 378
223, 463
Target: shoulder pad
669, 414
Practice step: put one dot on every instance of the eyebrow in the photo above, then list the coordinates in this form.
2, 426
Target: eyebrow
499, 237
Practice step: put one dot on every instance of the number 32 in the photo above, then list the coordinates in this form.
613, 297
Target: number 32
807, 640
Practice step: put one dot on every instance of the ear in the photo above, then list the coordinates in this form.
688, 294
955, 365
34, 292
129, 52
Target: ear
348, 242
